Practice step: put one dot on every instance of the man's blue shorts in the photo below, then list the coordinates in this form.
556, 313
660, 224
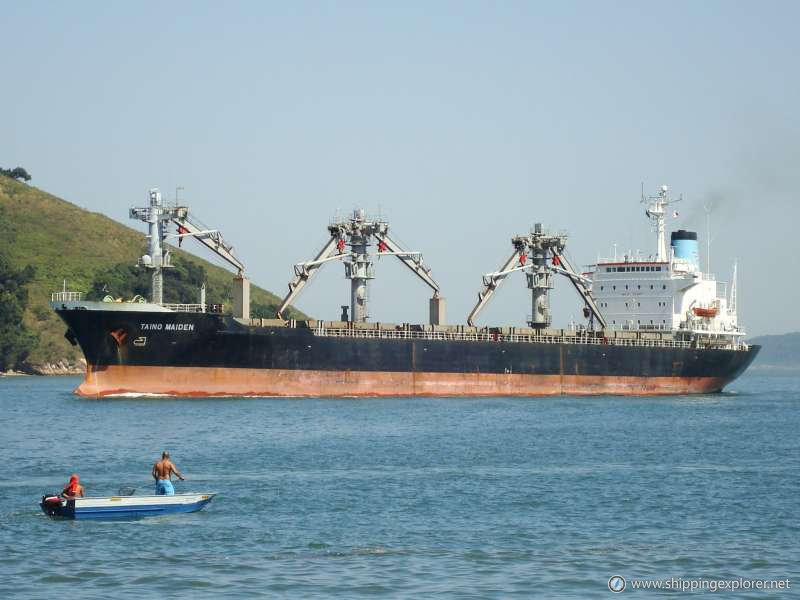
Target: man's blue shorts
164, 488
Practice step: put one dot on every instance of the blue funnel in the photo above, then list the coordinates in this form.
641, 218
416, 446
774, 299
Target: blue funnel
684, 245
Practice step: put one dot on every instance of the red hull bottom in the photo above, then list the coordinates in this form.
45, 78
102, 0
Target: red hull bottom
205, 381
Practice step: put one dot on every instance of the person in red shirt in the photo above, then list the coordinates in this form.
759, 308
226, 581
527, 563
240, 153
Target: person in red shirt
73, 489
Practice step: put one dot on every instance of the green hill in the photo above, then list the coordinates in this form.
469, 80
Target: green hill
778, 351
65, 242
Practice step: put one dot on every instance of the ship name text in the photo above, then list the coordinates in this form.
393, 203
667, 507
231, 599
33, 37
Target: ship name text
167, 326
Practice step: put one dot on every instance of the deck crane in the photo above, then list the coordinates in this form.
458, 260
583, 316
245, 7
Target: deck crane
189, 226
358, 232
531, 254
158, 215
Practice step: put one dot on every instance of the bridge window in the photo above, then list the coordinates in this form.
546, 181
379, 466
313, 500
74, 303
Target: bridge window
658, 268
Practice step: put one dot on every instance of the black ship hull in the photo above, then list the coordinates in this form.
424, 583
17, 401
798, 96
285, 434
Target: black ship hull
199, 354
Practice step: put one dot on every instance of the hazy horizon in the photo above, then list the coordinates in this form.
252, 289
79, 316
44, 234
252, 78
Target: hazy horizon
462, 123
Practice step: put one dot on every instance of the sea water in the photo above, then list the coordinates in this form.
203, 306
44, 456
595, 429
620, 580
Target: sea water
394, 497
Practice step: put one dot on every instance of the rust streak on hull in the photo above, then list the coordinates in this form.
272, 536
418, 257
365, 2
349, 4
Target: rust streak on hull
211, 381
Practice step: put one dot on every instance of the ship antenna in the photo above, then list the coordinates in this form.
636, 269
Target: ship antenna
655, 211
707, 207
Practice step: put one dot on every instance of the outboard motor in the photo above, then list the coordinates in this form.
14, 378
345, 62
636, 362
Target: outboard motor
53, 505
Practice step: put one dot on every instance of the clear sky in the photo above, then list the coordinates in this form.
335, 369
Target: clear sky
462, 122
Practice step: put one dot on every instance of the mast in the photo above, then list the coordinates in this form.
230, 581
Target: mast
707, 208
539, 246
656, 212
358, 232
359, 269
158, 215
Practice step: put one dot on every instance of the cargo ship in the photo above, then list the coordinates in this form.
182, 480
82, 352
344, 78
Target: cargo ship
653, 325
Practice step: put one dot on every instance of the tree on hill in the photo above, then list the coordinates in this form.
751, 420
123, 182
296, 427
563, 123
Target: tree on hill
259, 310
120, 281
15, 341
181, 286
181, 283
16, 173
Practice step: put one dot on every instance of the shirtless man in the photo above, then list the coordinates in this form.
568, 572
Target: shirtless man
162, 473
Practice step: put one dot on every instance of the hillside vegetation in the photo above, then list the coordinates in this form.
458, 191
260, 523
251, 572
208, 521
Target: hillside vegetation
62, 241
778, 351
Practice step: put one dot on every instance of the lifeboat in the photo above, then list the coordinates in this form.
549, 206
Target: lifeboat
699, 311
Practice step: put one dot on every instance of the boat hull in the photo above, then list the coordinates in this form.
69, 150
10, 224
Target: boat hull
221, 381
125, 507
185, 354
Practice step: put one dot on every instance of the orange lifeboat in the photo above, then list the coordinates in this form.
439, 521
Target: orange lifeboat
705, 312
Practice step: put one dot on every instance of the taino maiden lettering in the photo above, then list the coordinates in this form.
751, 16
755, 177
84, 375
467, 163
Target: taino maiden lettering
167, 326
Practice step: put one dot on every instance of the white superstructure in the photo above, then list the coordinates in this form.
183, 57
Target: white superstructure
666, 291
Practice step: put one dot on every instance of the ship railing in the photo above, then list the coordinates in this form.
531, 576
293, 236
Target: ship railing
191, 308
66, 296
405, 334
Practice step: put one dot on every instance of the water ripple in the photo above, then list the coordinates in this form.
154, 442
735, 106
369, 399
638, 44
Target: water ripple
461, 498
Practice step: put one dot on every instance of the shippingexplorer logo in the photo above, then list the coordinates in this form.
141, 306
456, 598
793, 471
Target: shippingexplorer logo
617, 584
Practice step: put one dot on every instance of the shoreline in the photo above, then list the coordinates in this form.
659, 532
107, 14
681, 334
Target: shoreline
61, 367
